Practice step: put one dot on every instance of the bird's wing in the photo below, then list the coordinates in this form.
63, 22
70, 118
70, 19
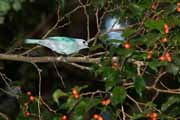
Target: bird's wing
57, 38
60, 46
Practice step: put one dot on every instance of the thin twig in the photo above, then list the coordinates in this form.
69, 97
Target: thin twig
39, 93
59, 75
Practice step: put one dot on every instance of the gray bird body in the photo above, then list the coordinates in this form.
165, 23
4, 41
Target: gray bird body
62, 45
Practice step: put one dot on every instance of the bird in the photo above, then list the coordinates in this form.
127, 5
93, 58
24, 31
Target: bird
109, 26
112, 23
61, 44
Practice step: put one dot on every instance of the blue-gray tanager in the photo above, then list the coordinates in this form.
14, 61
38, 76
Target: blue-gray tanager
113, 23
61, 45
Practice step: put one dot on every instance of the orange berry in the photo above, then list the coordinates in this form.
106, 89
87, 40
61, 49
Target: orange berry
127, 45
74, 91
166, 28
162, 58
178, 4
154, 115
167, 54
178, 9
95, 116
76, 96
108, 101
164, 40
100, 118
169, 59
27, 114
64, 117
31, 98
103, 102
153, 118
28, 93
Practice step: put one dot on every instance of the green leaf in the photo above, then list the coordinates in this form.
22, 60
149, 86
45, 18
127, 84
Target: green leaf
4, 6
172, 68
127, 32
154, 64
16, 5
136, 9
110, 77
176, 60
155, 25
172, 100
57, 94
80, 110
62, 5
118, 95
99, 3
151, 38
1, 20
124, 52
70, 102
139, 85
93, 48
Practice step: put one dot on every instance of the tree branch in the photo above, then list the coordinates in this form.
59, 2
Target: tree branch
45, 59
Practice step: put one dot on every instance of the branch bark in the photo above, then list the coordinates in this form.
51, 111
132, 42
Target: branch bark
45, 59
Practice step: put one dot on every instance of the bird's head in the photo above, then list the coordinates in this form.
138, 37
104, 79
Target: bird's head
82, 44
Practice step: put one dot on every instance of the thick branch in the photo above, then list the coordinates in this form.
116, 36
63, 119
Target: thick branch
49, 59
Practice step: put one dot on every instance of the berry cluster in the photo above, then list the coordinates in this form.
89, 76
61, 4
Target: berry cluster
153, 116
75, 93
97, 117
178, 7
26, 104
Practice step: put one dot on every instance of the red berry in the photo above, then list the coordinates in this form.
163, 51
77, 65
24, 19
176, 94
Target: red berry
178, 9
76, 96
166, 28
28, 93
162, 58
167, 54
127, 45
95, 116
153, 118
103, 102
164, 40
74, 91
169, 59
108, 101
64, 117
178, 4
27, 114
31, 98
154, 115
100, 118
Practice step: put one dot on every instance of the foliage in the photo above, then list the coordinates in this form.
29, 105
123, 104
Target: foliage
138, 81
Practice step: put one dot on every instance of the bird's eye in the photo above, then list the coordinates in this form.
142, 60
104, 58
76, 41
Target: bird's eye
84, 42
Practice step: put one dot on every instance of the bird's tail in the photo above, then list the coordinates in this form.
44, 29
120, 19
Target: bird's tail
32, 41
